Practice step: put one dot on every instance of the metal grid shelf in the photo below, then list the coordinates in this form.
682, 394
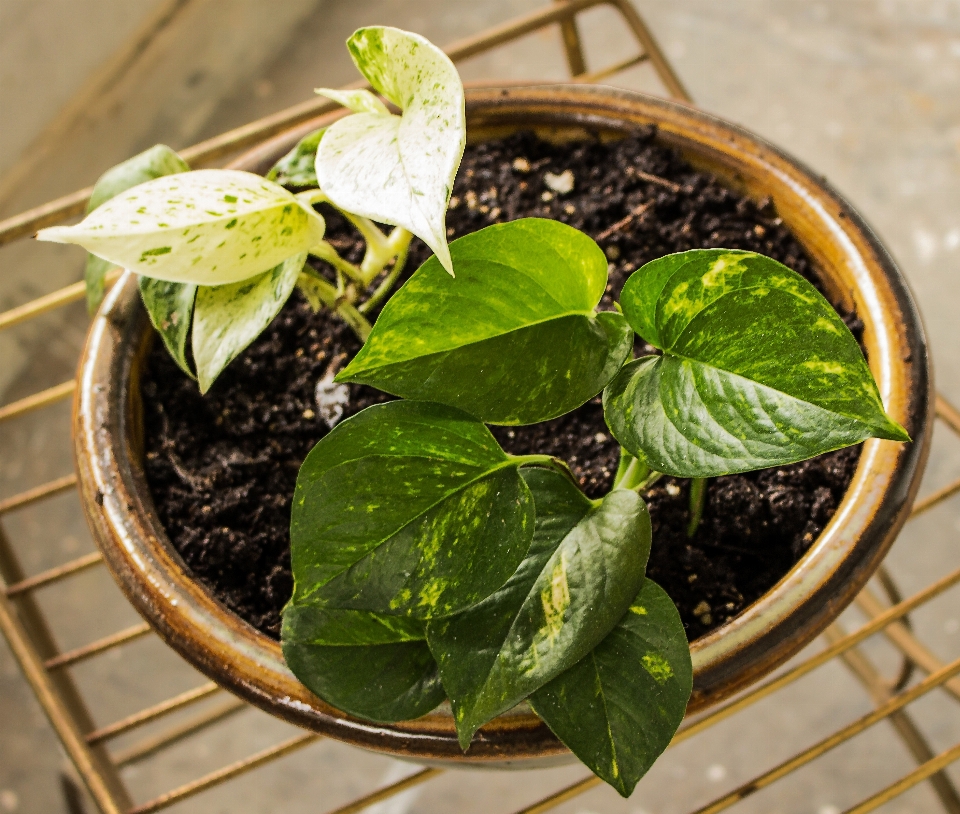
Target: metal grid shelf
86, 742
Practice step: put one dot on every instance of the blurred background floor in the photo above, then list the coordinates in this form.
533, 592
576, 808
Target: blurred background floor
864, 91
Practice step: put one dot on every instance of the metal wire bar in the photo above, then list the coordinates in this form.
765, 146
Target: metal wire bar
157, 743
934, 498
224, 774
386, 792
906, 783
149, 714
55, 574
907, 667
900, 720
37, 400
98, 647
48, 489
905, 641
852, 729
596, 76
57, 299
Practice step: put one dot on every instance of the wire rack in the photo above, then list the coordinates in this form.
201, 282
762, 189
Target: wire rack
87, 742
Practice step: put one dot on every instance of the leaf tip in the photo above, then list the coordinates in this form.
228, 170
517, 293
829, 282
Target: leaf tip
892, 431
56, 234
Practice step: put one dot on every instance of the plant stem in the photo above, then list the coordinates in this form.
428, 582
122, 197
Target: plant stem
698, 493
630, 472
388, 282
651, 478
315, 286
328, 254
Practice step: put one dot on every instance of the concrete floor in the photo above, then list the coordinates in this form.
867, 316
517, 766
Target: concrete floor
865, 91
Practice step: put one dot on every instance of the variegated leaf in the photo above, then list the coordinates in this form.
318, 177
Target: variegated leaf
170, 307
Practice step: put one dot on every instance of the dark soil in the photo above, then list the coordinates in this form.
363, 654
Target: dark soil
222, 467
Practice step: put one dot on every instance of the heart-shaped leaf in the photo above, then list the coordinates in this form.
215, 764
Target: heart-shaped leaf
393, 679
513, 339
298, 167
618, 708
398, 169
582, 571
170, 307
209, 227
156, 162
408, 508
758, 370
227, 318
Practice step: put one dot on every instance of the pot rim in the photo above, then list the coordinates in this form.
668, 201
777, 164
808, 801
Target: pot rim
856, 268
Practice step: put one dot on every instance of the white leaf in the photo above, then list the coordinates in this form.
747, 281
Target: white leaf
359, 101
227, 318
399, 169
208, 227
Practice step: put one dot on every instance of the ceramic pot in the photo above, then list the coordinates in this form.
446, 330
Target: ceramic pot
854, 267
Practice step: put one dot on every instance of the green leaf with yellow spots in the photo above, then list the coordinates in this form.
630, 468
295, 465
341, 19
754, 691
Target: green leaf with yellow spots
513, 339
581, 573
208, 227
408, 508
619, 706
227, 318
757, 370
170, 307
378, 668
297, 168
156, 162
397, 169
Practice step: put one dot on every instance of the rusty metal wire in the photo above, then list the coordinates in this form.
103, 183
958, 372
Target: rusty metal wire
47, 669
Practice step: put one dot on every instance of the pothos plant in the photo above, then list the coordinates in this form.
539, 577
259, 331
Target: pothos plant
429, 564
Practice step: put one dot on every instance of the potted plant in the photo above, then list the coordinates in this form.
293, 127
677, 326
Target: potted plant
428, 562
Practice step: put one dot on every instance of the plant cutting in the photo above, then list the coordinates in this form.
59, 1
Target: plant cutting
423, 554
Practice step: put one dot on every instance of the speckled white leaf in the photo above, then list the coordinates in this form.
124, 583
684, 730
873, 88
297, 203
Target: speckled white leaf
399, 169
209, 227
359, 101
227, 318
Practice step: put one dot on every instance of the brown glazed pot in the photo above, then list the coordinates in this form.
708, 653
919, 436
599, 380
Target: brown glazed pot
853, 265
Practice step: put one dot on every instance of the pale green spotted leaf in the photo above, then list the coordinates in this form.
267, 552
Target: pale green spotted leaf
758, 369
316, 624
156, 162
408, 508
618, 708
209, 227
584, 567
379, 682
227, 318
170, 307
298, 167
359, 101
399, 169
513, 339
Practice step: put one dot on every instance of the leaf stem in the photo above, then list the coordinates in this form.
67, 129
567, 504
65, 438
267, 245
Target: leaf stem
315, 287
698, 493
390, 280
630, 472
651, 478
328, 254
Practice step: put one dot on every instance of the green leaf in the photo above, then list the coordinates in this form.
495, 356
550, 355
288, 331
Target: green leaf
297, 168
228, 318
209, 227
156, 162
396, 681
359, 101
320, 625
513, 339
408, 508
758, 370
618, 708
581, 573
170, 307
398, 169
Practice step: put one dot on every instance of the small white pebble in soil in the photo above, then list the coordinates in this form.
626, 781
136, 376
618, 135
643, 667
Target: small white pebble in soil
471, 199
308, 414
495, 212
612, 252
570, 209
9, 801
521, 165
672, 489
546, 197
511, 434
561, 184
454, 202
716, 772
600, 438
691, 578
332, 398
702, 609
